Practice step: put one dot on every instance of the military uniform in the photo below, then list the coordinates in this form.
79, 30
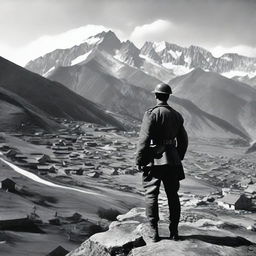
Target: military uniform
162, 127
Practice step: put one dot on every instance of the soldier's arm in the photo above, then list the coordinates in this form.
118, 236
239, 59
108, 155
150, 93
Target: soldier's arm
182, 142
144, 137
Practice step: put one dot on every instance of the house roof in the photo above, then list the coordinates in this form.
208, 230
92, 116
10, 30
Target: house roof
21, 156
8, 181
11, 152
42, 156
251, 188
59, 251
230, 198
31, 161
45, 167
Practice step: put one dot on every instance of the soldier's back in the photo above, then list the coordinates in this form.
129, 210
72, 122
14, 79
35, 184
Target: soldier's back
167, 122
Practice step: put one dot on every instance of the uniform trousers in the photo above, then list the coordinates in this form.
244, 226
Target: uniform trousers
152, 177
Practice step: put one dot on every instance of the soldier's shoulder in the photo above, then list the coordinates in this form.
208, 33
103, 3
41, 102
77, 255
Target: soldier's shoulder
151, 110
180, 116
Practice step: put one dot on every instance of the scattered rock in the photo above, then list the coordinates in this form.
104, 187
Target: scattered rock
94, 174
252, 227
209, 199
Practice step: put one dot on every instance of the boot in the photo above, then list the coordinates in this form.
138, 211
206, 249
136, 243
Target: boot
174, 235
149, 233
153, 234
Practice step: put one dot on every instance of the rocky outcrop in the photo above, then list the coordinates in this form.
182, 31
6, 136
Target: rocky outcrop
127, 236
120, 239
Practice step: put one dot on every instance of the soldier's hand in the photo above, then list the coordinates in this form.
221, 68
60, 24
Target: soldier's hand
140, 168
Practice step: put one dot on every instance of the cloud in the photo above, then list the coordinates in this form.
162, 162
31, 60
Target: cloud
244, 50
49, 43
155, 31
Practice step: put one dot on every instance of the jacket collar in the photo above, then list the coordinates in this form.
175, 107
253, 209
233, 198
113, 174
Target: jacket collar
162, 104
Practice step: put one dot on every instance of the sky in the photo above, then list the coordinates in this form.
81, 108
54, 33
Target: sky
31, 28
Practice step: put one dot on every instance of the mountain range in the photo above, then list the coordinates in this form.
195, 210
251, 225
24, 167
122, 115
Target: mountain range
29, 97
162, 60
120, 77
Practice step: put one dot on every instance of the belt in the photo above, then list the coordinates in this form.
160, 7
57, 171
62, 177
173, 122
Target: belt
164, 142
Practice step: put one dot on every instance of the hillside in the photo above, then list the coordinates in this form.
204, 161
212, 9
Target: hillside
227, 99
52, 98
17, 114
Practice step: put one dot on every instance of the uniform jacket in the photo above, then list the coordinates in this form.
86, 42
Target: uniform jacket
160, 124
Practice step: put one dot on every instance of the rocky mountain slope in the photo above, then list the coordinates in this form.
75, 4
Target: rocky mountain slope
161, 59
31, 91
232, 101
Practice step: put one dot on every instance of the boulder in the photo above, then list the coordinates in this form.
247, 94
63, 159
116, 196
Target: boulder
118, 240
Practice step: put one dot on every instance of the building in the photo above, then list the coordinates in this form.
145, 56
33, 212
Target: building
244, 183
71, 138
31, 162
235, 202
46, 168
20, 157
59, 251
5, 147
11, 153
42, 159
8, 185
251, 190
80, 171
94, 174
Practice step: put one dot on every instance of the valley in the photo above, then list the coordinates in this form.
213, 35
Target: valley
87, 170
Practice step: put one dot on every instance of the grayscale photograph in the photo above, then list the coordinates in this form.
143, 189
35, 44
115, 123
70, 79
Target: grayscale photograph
127, 127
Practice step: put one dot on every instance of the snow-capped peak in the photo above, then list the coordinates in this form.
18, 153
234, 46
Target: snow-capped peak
80, 58
129, 54
159, 46
93, 40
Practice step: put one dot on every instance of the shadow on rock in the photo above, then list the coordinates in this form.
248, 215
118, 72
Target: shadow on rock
225, 240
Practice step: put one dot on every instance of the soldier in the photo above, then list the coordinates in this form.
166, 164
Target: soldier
162, 146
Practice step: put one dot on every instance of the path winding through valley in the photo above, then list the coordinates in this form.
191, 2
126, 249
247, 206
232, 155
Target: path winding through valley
45, 182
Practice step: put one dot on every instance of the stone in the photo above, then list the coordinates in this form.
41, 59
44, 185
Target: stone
137, 214
119, 240
118, 223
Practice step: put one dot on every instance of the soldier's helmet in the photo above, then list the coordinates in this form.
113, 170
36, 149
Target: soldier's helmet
163, 88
